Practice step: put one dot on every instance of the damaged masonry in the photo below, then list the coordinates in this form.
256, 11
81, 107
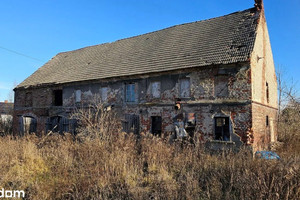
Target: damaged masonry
213, 78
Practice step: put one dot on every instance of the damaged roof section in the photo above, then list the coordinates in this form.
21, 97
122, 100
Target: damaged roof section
221, 40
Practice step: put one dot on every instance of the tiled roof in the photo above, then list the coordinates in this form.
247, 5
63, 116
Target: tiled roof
221, 40
6, 108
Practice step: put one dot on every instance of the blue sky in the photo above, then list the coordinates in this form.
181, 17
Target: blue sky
33, 31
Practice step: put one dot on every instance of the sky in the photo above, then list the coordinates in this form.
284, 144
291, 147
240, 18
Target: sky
34, 31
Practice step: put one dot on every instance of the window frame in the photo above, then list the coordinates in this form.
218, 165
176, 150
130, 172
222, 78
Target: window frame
131, 86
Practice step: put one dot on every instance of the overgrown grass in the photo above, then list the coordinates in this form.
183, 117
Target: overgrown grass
61, 167
100, 162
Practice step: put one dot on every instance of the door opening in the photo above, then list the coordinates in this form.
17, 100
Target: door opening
156, 125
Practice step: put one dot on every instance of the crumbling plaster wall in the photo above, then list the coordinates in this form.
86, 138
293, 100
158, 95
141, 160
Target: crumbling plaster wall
202, 100
263, 76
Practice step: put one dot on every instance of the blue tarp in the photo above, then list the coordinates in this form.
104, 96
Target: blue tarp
268, 155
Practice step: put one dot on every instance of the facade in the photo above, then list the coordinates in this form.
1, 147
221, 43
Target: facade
216, 78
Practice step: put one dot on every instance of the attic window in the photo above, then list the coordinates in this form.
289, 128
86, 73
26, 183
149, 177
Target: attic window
57, 97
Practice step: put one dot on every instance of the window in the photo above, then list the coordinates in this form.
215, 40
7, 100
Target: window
155, 89
58, 98
267, 120
130, 92
78, 96
104, 92
267, 91
185, 88
221, 86
60, 124
222, 128
28, 99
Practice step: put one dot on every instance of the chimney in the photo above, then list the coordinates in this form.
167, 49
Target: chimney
259, 5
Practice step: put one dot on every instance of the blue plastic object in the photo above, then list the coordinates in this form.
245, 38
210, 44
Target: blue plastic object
267, 155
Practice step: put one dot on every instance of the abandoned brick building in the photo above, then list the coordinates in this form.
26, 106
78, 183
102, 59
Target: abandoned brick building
218, 75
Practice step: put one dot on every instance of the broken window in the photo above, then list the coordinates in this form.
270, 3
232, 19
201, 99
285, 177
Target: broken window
222, 128
28, 99
130, 92
155, 89
27, 125
60, 124
156, 125
267, 91
58, 97
78, 96
185, 88
104, 92
221, 86
131, 124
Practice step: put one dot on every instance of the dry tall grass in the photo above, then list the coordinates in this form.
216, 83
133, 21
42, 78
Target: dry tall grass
60, 167
103, 163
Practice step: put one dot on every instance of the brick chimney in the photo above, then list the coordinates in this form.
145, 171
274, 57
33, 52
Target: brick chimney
259, 5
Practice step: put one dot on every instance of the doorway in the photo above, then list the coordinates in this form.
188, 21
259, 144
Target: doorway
156, 125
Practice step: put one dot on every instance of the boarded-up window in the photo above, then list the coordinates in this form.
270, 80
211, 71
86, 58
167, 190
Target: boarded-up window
78, 96
155, 89
185, 88
130, 92
104, 92
131, 124
28, 99
221, 86
61, 124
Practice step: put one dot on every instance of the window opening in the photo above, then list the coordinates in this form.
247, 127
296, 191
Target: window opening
222, 128
58, 97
